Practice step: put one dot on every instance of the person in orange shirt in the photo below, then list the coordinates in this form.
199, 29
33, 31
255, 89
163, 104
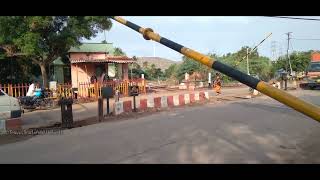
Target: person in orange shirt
217, 84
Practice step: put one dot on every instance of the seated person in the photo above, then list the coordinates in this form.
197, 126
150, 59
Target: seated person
31, 89
33, 93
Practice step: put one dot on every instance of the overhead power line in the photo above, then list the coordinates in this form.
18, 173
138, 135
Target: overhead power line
305, 39
285, 17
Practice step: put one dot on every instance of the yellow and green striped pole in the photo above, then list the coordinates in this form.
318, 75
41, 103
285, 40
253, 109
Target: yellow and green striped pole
304, 107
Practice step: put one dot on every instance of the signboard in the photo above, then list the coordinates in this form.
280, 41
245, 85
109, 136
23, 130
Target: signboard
107, 92
53, 85
134, 90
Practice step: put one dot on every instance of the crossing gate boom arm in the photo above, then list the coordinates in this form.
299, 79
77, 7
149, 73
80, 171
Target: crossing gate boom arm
304, 107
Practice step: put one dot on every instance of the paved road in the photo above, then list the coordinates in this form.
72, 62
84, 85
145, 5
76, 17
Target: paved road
258, 130
88, 110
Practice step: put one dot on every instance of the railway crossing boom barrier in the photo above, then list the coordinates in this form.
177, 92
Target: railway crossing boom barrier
300, 105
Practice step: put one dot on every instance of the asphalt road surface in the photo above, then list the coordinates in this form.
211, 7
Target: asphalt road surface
258, 130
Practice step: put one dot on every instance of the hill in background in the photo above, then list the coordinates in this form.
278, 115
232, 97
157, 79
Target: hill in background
161, 63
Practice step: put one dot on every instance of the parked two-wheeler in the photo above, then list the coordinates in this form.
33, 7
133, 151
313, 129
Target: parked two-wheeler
41, 100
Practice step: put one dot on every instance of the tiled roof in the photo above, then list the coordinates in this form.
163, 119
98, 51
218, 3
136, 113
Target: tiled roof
110, 59
58, 61
94, 47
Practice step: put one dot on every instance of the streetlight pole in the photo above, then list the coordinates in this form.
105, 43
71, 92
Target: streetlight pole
288, 52
288, 60
248, 61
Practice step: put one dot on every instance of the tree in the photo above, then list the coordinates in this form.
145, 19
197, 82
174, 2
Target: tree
136, 69
171, 71
153, 72
158, 73
2, 54
119, 52
42, 39
262, 67
136, 66
136, 73
299, 61
153, 66
190, 66
258, 65
17, 70
145, 64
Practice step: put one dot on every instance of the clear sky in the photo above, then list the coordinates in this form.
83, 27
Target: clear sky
218, 34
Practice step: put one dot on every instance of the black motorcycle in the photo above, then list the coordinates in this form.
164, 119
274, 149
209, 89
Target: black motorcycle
33, 102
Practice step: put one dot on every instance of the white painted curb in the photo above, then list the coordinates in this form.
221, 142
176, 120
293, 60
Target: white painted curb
176, 100
206, 94
150, 102
196, 97
186, 98
164, 102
